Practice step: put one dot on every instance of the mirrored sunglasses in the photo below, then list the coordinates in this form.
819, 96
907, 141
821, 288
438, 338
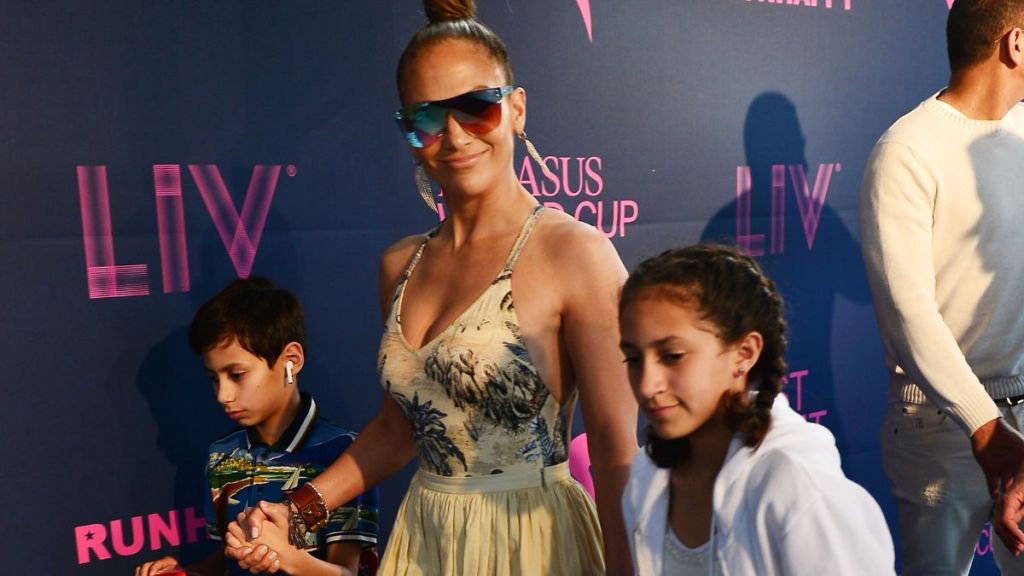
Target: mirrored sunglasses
477, 112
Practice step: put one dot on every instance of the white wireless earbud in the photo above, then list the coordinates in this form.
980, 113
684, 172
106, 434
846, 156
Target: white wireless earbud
288, 377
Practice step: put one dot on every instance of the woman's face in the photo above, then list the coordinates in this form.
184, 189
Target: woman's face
464, 163
678, 367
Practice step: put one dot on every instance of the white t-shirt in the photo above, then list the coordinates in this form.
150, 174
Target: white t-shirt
681, 560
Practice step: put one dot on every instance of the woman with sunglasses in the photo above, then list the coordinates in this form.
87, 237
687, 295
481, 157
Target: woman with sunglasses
495, 321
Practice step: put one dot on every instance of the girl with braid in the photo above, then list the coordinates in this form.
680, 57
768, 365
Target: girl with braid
731, 480
495, 323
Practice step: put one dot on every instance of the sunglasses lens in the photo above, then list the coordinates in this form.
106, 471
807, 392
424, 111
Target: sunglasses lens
477, 116
421, 124
477, 112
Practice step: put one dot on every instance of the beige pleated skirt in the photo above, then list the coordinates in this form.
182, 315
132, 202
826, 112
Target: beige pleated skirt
535, 522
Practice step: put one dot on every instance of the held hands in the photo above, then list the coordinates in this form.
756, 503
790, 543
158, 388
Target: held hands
258, 539
999, 450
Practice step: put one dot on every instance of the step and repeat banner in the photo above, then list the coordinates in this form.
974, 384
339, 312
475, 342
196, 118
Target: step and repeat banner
151, 152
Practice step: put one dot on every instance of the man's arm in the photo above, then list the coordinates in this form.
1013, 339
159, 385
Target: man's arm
897, 202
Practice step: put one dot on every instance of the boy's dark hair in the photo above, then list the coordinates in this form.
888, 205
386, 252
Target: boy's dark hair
975, 26
730, 291
261, 316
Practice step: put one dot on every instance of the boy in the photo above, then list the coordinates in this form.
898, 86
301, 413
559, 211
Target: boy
252, 339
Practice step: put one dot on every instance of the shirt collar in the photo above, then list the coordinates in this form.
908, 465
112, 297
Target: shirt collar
297, 431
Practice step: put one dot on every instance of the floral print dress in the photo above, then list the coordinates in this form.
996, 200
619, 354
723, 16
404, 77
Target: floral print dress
478, 409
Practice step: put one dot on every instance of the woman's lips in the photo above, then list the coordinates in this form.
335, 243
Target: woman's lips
461, 162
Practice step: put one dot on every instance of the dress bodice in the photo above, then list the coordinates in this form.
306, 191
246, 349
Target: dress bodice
475, 400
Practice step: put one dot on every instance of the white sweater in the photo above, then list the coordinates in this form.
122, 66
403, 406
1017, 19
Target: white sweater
942, 225
784, 509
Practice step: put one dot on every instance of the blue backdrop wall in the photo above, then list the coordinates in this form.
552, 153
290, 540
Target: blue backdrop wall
150, 152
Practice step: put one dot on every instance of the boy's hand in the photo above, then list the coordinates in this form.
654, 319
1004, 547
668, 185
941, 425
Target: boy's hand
259, 559
165, 564
238, 544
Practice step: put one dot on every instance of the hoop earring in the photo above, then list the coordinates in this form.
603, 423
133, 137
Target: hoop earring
423, 184
532, 151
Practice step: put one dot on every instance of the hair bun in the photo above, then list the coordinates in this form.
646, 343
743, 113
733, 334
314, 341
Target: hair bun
445, 10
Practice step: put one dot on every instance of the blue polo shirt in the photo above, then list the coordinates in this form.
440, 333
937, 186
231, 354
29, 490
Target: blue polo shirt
242, 470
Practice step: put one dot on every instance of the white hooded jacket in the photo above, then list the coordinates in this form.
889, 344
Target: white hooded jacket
785, 508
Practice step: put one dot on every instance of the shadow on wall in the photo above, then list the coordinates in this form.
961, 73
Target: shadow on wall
781, 216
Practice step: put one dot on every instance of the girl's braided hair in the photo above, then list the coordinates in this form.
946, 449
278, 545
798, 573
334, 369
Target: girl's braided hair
729, 290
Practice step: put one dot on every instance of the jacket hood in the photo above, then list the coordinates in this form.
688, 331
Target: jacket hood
792, 438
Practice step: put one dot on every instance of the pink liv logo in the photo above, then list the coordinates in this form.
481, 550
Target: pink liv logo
846, 5
240, 232
809, 200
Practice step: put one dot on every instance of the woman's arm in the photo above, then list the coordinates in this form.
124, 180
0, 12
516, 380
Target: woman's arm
386, 445
591, 332
383, 447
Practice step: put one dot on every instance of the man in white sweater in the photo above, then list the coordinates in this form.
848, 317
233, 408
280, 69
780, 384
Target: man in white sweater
942, 222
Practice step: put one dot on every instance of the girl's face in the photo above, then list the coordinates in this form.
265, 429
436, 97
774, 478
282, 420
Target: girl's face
464, 163
678, 367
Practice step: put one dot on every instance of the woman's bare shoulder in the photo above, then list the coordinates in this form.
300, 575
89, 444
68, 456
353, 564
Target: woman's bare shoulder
395, 258
569, 242
397, 255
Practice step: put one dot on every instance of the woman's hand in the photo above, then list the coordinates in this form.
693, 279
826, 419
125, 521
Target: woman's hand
256, 538
275, 551
249, 523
